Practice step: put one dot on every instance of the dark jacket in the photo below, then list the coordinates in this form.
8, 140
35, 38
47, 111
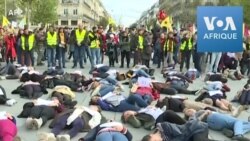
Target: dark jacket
174, 132
125, 43
147, 49
85, 117
92, 134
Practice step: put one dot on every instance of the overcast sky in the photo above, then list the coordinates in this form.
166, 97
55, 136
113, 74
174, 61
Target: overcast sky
126, 12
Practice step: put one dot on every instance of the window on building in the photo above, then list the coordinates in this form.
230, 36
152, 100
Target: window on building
64, 22
65, 12
75, 12
73, 23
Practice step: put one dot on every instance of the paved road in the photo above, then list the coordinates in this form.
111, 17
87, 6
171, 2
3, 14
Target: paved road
83, 99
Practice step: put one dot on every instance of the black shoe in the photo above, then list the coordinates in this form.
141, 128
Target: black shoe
81, 67
240, 138
64, 67
227, 132
121, 66
73, 67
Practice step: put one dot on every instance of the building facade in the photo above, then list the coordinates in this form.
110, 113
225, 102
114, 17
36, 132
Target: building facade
72, 12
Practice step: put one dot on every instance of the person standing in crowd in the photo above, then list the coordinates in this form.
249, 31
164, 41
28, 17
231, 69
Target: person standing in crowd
158, 49
80, 45
2, 46
52, 43
94, 47
19, 46
133, 42
40, 42
185, 50
168, 49
111, 50
63, 38
214, 62
10, 42
139, 48
147, 49
177, 46
72, 44
27, 44
103, 43
125, 48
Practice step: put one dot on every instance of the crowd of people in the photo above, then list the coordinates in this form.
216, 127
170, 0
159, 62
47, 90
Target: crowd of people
150, 103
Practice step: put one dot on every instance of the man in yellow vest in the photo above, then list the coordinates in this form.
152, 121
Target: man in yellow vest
80, 45
95, 51
186, 50
139, 47
27, 45
168, 50
52, 43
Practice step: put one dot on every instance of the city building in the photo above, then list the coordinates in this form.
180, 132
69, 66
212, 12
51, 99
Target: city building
71, 12
148, 17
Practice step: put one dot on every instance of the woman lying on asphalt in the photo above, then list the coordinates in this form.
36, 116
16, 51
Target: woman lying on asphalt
40, 111
8, 128
80, 119
192, 130
110, 131
148, 117
117, 102
219, 122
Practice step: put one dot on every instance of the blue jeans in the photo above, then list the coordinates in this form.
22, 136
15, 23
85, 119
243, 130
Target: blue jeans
96, 56
106, 89
51, 53
141, 72
138, 100
111, 136
217, 121
27, 58
61, 56
126, 105
78, 55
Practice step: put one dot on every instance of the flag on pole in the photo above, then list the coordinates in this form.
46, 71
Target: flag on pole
167, 22
111, 21
22, 23
5, 21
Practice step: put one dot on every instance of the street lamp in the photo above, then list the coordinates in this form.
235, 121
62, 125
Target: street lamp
5, 8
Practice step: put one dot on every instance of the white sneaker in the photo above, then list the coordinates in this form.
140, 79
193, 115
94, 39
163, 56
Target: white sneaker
65, 137
11, 102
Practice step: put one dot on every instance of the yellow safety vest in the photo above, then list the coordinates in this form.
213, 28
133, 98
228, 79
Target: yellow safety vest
80, 35
51, 40
31, 41
94, 43
167, 46
141, 39
183, 45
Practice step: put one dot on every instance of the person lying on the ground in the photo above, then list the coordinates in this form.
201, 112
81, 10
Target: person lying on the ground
144, 88
30, 90
3, 98
80, 119
110, 131
12, 71
192, 130
216, 91
32, 75
242, 96
217, 121
172, 88
148, 117
53, 71
8, 128
179, 103
117, 102
192, 74
40, 111
51, 82
215, 77
64, 95
233, 74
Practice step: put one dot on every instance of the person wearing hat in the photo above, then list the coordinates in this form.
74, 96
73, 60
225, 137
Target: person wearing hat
10, 42
52, 42
27, 45
80, 45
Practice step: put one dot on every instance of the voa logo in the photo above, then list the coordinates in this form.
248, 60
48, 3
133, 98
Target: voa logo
220, 28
